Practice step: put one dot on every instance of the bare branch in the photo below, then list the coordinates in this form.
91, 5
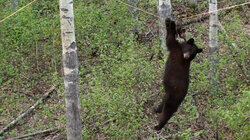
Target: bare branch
27, 111
43, 132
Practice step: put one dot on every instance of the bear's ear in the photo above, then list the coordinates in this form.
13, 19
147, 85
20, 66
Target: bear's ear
199, 50
191, 41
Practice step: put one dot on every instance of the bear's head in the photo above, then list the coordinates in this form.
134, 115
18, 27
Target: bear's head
190, 50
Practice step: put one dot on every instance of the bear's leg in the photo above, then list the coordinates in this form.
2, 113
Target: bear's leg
162, 121
171, 27
169, 109
160, 107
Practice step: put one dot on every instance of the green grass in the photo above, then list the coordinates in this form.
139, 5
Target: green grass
119, 84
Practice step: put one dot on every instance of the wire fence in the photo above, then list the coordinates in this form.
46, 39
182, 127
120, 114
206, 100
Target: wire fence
142, 10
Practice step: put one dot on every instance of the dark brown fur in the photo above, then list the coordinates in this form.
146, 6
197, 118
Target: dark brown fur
176, 74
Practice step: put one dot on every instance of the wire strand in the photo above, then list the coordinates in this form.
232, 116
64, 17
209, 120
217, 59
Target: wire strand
142, 10
222, 9
17, 11
191, 17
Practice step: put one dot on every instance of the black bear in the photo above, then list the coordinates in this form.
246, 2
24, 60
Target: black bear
176, 73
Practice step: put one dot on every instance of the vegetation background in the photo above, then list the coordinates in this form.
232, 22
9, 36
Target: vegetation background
120, 76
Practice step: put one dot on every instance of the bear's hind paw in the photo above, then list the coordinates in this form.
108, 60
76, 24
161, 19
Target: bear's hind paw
157, 111
157, 128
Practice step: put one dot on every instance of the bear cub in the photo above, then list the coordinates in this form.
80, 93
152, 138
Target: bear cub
176, 73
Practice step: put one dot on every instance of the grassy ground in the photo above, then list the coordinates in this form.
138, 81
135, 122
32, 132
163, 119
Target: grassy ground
120, 78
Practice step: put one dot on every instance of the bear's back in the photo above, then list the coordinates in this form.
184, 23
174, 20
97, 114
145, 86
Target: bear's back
176, 74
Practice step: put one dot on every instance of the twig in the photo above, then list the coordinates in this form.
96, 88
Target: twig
231, 51
104, 123
43, 132
27, 111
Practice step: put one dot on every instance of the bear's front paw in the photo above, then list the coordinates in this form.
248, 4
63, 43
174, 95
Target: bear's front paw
172, 26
